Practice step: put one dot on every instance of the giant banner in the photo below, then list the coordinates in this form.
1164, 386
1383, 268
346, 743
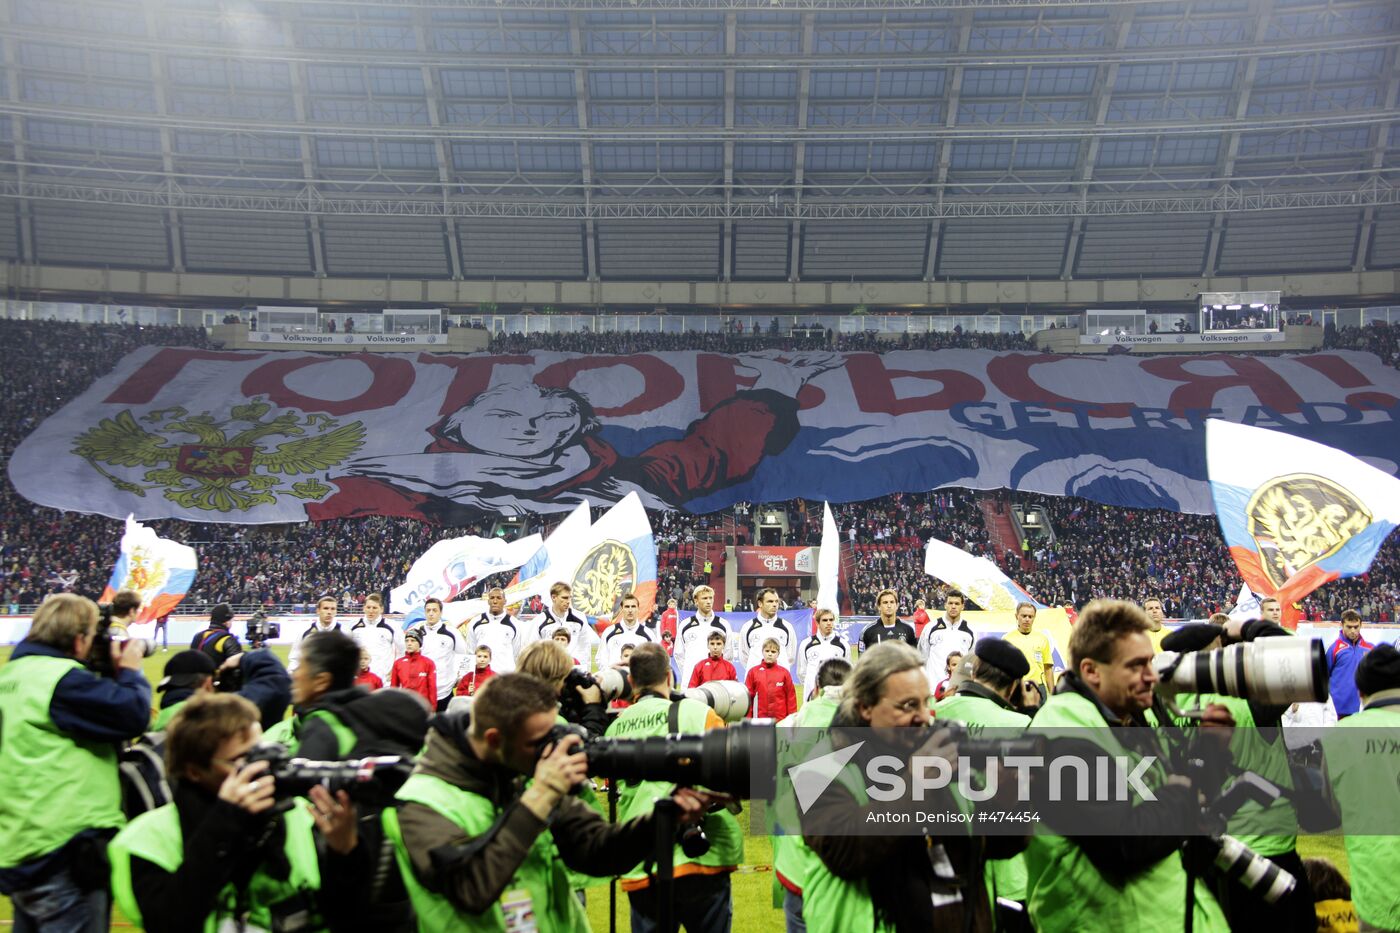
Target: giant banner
283, 436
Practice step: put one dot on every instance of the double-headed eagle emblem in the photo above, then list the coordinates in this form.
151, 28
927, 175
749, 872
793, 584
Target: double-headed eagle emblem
606, 573
220, 469
1298, 519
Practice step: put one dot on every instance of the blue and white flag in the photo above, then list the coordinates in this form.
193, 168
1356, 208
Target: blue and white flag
1296, 514
160, 570
980, 580
449, 567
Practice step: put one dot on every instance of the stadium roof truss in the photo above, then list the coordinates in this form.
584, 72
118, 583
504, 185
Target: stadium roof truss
775, 139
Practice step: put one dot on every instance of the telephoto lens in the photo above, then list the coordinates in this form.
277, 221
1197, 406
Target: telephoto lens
728, 698
740, 760
1275, 671
1257, 874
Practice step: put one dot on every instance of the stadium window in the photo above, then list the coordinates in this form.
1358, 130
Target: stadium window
909, 83
475, 82
993, 82
483, 156
972, 156
335, 79
689, 84
1143, 77
337, 153
765, 84
843, 84
548, 84
622, 85
396, 81
750, 114
397, 154
619, 157
763, 157
539, 157
1197, 76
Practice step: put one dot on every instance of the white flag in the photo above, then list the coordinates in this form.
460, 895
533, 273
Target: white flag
451, 566
979, 578
828, 563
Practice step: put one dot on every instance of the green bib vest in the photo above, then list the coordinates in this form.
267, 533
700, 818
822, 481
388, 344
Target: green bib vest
649, 717
1363, 782
1005, 877
540, 883
156, 837
164, 716
285, 733
791, 855
1271, 830
835, 905
1066, 892
40, 764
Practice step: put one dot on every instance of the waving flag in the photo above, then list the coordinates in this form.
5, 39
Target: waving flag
1296, 514
449, 567
159, 569
829, 564
980, 579
1246, 605
600, 561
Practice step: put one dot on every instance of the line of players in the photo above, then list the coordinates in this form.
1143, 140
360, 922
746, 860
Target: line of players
452, 650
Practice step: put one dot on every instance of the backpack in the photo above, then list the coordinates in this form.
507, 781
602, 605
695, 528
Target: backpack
141, 771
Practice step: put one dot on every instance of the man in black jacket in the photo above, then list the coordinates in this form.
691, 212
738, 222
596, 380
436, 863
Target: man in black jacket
223, 851
480, 760
259, 675
217, 641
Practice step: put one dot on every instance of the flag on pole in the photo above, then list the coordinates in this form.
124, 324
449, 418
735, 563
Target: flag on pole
159, 569
829, 564
1246, 605
601, 562
980, 580
450, 567
1296, 514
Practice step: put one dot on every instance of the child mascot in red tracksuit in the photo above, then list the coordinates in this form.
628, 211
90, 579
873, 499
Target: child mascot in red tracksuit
770, 686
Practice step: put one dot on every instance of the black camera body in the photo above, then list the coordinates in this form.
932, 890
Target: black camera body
372, 781
260, 631
740, 760
571, 705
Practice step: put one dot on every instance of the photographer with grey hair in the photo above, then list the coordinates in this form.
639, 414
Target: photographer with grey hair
59, 728
900, 882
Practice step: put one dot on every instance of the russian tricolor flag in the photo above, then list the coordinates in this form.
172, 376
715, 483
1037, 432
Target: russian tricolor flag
1296, 514
161, 570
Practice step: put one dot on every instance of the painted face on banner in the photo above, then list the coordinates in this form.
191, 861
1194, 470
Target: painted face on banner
517, 421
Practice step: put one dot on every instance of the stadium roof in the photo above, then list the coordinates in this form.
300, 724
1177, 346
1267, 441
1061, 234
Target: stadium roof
702, 139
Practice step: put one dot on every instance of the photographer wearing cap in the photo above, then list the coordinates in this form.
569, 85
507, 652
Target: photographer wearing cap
59, 727
703, 900
217, 641
257, 676
1362, 772
1121, 866
478, 846
1257, 746
991, 698
903, 883
222, 853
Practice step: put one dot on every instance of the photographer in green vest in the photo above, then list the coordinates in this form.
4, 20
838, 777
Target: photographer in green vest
1362, 761
791, 856
479, 846
222, 854
60, 798
892, 882
1120, 867
991, 698
703, 902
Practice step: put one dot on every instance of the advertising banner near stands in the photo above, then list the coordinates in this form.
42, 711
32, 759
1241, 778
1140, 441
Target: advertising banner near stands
776, 561
282, 436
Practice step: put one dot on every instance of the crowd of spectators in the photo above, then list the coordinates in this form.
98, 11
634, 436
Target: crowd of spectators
1097, 550
1377, 337
739, 342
